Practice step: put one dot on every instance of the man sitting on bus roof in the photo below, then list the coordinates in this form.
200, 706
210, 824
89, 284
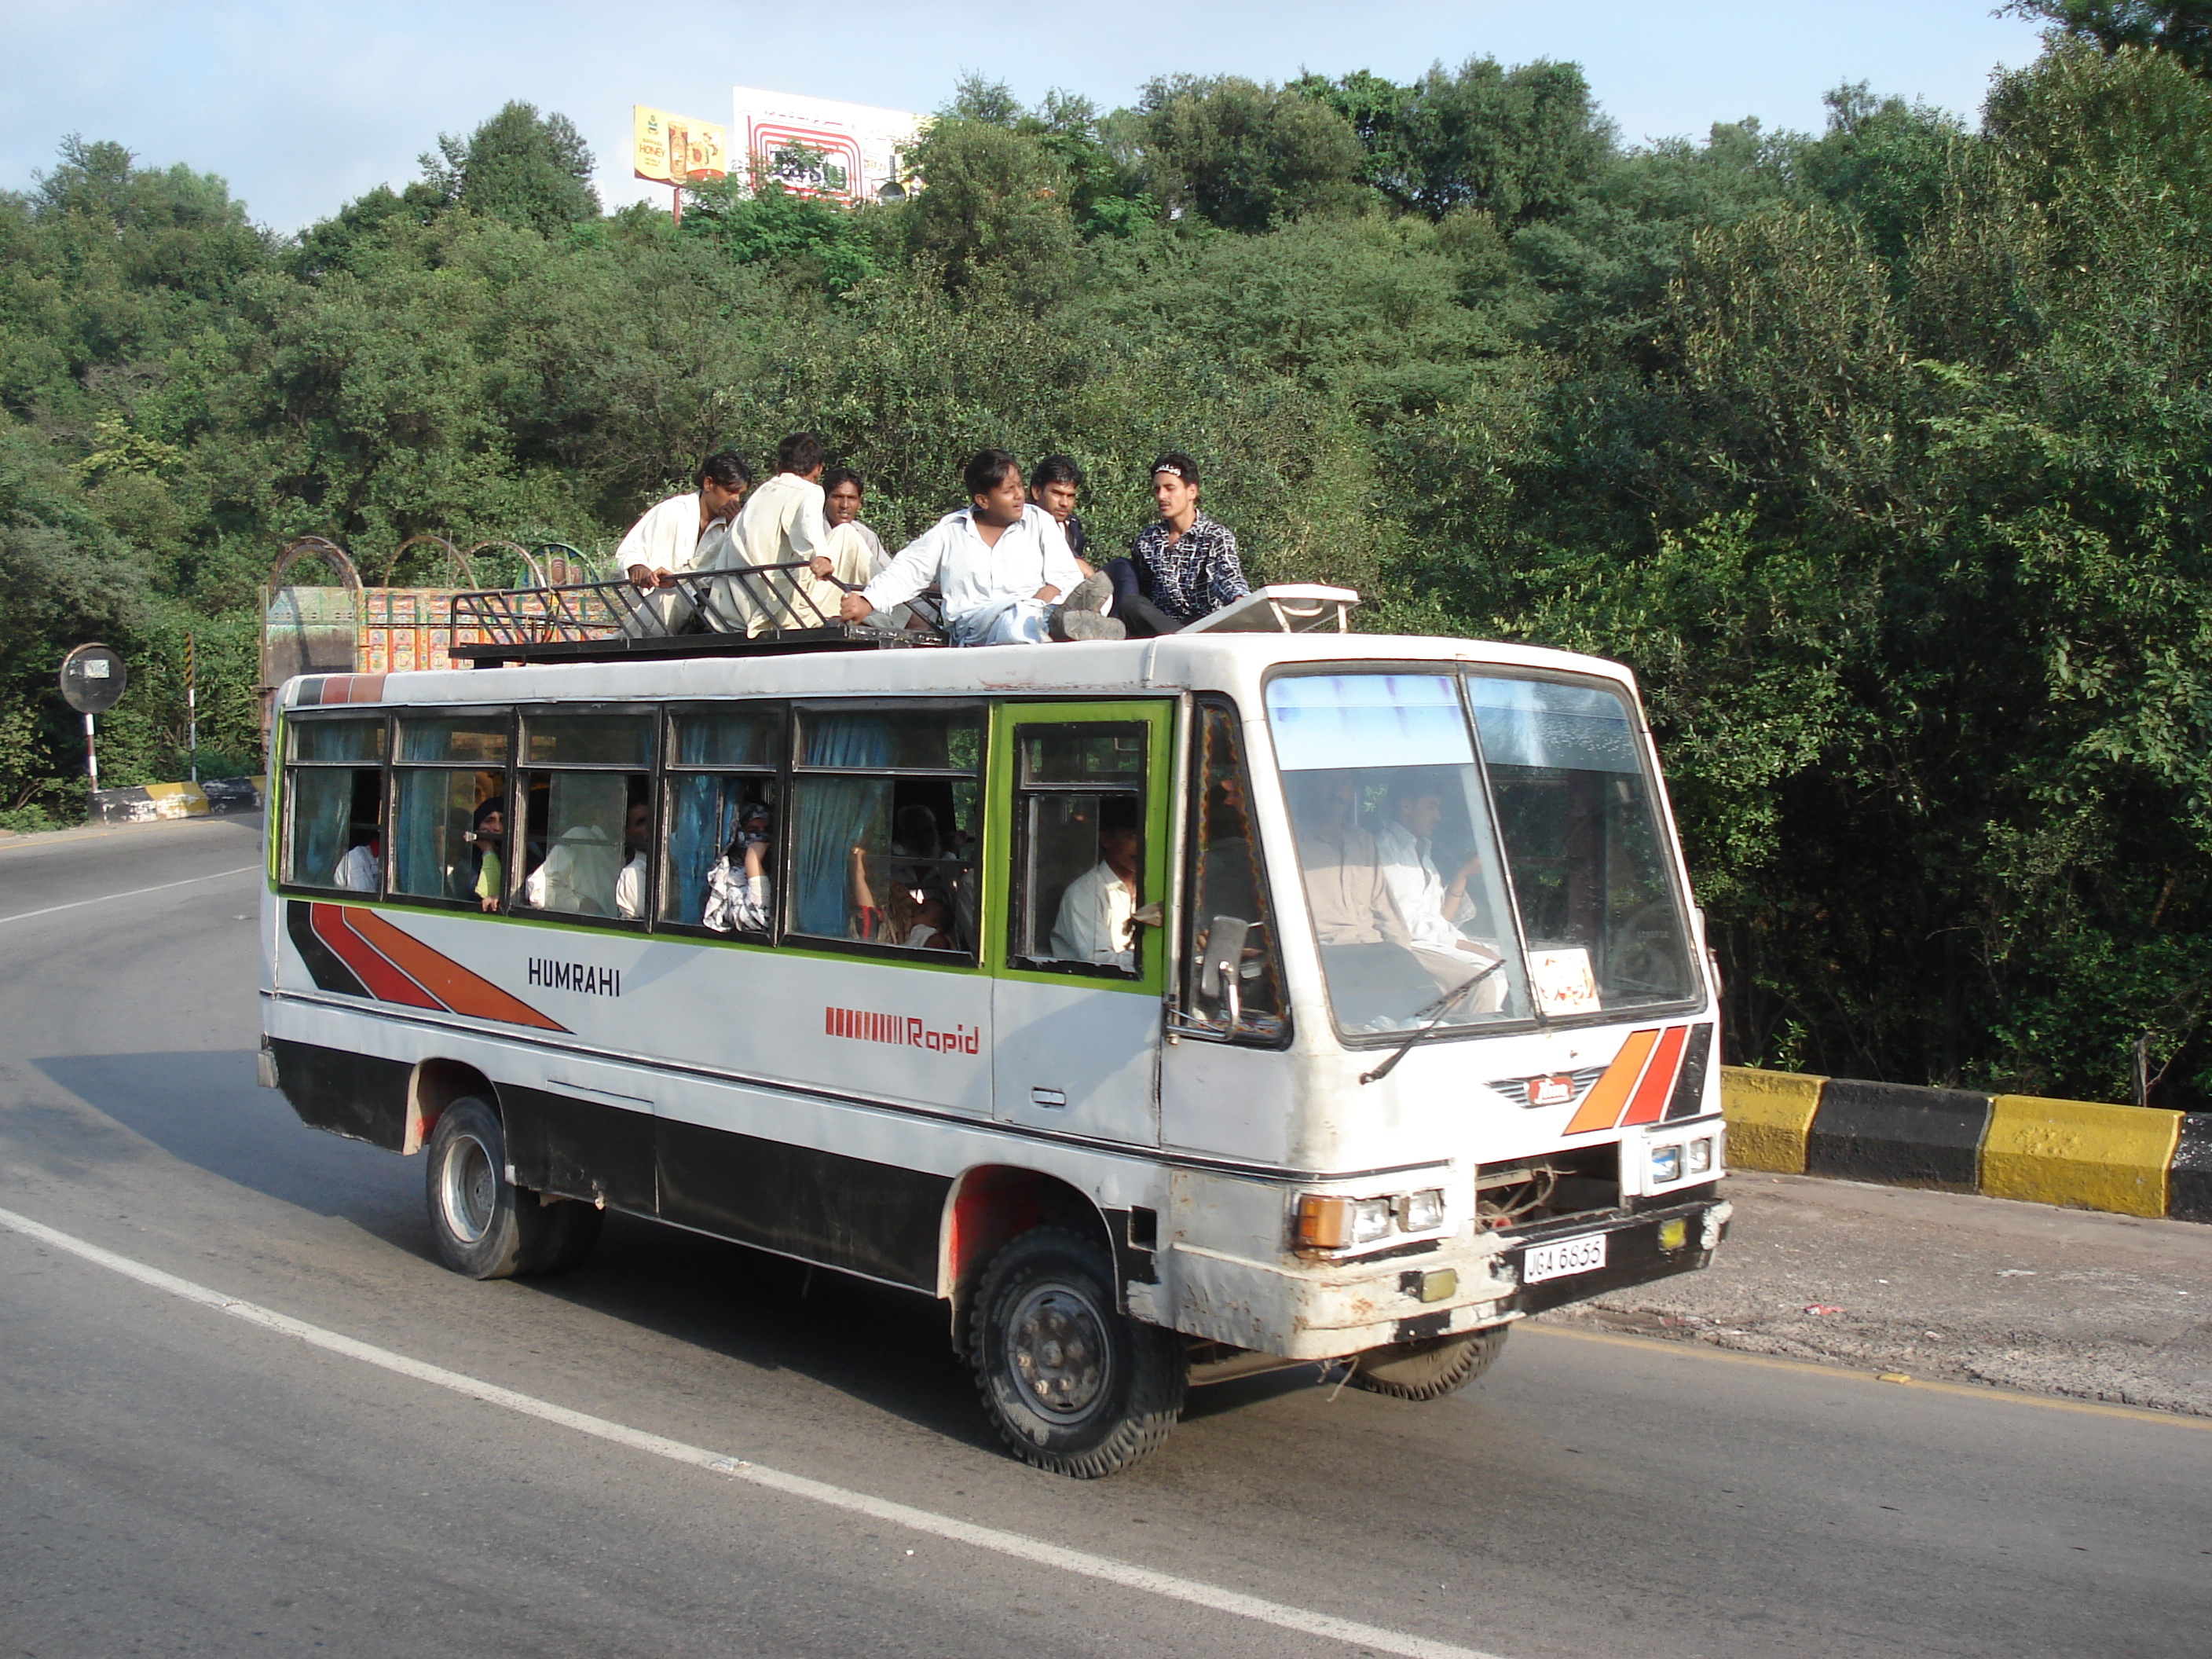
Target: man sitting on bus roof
782, 524
1001, 566
682, 533
854, 556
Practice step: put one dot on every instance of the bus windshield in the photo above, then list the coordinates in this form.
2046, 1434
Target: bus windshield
1413, 885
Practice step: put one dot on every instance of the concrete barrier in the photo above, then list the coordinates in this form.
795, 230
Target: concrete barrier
145, 802
2086, 1155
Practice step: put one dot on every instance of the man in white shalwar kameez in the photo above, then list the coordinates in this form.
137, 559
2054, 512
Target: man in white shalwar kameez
781, 523
1436, 913
682, 533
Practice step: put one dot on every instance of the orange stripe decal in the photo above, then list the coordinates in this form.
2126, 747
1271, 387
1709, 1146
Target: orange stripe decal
384, 982
463, 992
1658, 1077
1601, 1105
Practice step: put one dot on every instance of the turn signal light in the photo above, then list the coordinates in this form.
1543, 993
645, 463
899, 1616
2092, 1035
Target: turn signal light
1331, 1224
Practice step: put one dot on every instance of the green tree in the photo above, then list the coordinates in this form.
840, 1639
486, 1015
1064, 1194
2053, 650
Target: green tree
2183, 28
993, 210
1240, 155
518, 166
1518, 144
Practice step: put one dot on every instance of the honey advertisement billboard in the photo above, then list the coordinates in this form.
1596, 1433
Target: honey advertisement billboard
677, 149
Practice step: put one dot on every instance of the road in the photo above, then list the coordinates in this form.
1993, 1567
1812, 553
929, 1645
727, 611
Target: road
176, 1479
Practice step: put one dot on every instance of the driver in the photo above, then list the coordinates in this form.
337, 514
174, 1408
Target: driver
1437, 913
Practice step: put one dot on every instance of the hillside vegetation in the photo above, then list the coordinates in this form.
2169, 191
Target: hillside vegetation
1884, 456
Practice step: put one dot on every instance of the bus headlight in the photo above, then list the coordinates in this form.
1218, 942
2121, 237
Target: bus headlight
1667, 1164
1701, 1157
1424, 1211
1331, 1224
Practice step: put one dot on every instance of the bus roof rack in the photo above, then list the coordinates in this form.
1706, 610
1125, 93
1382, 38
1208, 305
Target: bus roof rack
751, 611
1283, 607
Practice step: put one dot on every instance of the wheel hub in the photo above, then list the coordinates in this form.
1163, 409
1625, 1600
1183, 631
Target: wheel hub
1058, 1352
471, 1189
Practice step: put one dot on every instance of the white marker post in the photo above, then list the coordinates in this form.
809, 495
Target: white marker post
92, 681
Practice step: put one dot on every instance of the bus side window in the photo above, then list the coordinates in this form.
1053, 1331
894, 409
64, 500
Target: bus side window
886, 817
1078, 846
721, 822
1227, 896
587, 815
449, 817
335, 810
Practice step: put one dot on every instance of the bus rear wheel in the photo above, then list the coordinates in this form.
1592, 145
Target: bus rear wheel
1074, 1387
1430, 1370
486, 1226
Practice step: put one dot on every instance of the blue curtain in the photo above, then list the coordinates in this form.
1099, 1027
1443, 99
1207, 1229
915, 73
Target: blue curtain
834, 816
702, 816
322, 802
420, 862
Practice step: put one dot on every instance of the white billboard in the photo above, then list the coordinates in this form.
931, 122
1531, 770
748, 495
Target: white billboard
859, 147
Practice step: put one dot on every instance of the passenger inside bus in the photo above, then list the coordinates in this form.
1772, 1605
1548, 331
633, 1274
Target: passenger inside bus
487, 884
738, 885
1374, 980
637, 834
907, 897
582, 819
358, 870
1443, 916
1096, 922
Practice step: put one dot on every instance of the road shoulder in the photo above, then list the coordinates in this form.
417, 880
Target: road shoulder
1945, 1285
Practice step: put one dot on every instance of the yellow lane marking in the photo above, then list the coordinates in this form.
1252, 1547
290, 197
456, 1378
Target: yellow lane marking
1834, 1373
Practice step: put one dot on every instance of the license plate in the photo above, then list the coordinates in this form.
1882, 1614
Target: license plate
1568, 1255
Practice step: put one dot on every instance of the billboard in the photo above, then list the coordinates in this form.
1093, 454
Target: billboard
856, 148
677, 149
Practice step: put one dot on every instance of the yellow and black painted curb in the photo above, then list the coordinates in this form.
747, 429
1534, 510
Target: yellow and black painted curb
2133, 1160
145, 802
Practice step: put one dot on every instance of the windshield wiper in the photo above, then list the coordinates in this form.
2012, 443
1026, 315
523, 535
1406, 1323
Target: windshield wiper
1440, 1008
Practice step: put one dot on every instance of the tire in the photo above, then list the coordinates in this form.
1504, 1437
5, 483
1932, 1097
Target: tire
484, 1225
572, 1232
1074, 1386
1430, 1370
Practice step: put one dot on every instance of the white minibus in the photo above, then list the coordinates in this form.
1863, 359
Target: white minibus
1170, 1009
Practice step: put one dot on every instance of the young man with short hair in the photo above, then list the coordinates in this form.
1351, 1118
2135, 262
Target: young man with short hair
682, 533
783, 524
852, 554
1001, 566
1055, 482
1185, 565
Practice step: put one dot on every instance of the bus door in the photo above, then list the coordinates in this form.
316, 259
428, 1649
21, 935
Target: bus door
1080, 794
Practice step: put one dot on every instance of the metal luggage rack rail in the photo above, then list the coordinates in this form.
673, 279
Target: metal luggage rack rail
749, 607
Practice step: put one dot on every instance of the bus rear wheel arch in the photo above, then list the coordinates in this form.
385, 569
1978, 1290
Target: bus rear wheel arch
1073, 1385
486, 1226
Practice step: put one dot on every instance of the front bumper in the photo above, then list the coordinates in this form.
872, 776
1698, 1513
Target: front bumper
1324, 1310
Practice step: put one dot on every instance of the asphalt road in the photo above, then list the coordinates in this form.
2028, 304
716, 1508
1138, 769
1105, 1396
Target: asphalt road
175, 1478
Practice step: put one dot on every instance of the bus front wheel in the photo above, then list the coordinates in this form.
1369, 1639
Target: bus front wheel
486, 1226
1430, 1370
1074, 1387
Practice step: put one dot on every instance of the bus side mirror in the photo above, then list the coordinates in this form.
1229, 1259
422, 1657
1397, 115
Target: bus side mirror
1224, 953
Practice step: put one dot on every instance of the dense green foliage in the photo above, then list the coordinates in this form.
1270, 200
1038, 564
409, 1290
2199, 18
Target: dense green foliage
1884, 456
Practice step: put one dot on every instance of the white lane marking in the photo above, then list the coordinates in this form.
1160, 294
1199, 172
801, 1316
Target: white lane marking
135, 892
1036, 1551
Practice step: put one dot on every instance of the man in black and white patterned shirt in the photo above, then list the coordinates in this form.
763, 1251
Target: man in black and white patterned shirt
1184, 566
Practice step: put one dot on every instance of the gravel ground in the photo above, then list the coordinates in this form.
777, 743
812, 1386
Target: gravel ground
1945, 1285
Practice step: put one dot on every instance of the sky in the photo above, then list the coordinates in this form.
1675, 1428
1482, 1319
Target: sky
301, 107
